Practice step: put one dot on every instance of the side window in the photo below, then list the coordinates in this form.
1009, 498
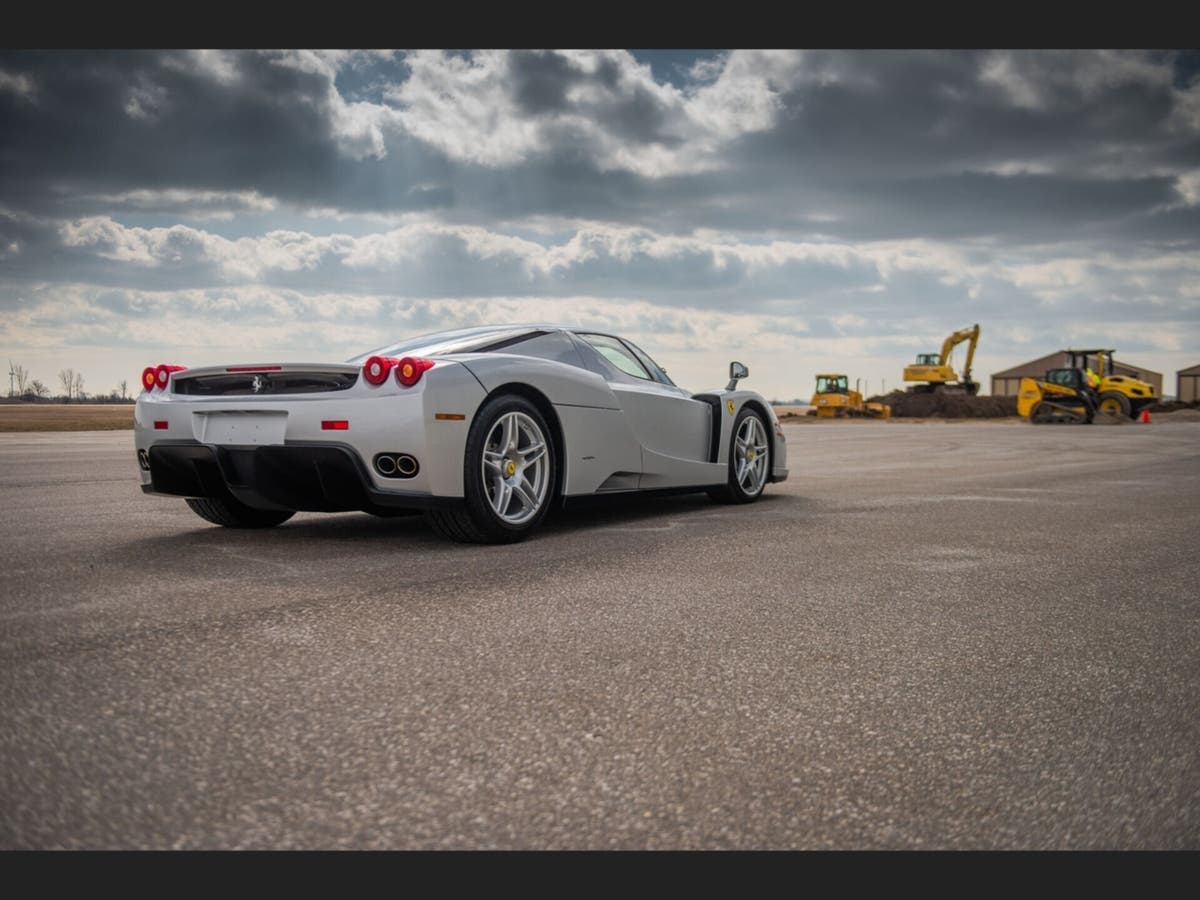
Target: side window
553, 345
658, 373
617, 354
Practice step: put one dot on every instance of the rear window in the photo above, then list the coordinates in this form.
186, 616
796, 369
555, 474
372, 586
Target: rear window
467, 340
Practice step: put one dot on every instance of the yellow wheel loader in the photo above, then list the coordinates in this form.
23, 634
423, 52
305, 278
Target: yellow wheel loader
1116, 394
833, 399
934, 372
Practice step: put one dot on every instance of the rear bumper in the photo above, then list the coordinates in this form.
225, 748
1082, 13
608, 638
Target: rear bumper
303, 476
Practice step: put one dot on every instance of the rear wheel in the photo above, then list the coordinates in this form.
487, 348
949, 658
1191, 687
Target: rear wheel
232, 513
749, 460
1115, 404
508, 475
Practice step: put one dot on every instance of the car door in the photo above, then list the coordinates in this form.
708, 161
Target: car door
668, 423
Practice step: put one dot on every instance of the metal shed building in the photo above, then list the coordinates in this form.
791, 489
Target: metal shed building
1006, 383
1187, 384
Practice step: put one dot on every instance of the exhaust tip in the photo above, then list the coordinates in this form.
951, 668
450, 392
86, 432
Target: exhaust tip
143, 459
396, 465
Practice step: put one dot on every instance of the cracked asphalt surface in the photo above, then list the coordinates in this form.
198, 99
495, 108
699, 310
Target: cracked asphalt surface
933, 636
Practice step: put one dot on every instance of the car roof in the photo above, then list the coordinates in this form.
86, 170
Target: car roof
463, 340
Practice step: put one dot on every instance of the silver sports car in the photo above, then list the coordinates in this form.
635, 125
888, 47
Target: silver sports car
483, 429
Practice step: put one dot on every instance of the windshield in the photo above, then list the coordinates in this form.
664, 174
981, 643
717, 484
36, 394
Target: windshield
831, 384
464, 340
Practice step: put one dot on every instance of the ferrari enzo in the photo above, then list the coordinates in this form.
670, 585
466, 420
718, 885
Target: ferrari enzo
482, 429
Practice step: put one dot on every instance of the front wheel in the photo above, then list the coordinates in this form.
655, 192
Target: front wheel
508, 475
1115, 404
233, 514
749, 460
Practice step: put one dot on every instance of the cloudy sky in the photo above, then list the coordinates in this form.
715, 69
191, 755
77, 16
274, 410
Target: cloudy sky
800, 211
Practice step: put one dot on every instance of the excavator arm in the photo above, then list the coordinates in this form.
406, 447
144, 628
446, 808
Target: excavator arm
966, 334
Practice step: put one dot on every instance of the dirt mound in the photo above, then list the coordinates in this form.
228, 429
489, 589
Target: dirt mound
1103, 418
944, 405
1173, 406
1185, 414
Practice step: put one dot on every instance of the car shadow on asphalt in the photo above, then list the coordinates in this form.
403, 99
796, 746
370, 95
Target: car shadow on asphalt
637, 509
412, 532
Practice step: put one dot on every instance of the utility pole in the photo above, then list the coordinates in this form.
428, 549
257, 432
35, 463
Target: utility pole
12, 373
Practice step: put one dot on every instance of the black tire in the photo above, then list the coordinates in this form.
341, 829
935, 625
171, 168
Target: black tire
1115, 398
479, 521
734, 490
231, 513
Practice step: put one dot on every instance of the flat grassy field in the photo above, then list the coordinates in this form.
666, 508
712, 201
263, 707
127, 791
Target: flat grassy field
65, 416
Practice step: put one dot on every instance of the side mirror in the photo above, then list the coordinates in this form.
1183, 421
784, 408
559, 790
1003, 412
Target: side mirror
736, 371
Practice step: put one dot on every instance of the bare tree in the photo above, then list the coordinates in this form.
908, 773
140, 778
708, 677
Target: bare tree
39, 389
78, 385
67, 379
20, 375
123, 384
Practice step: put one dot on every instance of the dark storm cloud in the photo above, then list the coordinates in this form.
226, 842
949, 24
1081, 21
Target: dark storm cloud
258, 131
540, 80
871, 145
923, 144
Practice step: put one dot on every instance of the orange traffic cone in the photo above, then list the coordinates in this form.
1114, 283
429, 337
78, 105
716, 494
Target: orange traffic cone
1145, 417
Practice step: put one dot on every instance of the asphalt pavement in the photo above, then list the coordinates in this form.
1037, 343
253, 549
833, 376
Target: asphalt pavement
932, 636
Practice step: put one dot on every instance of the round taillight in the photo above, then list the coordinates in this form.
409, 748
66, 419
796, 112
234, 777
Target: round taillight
162, 375
410, 369
148, 377
376, 369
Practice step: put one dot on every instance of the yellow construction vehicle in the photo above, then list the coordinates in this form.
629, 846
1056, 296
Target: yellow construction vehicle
834, 399
934, 371
1062, 398
1118, 395
1077, 393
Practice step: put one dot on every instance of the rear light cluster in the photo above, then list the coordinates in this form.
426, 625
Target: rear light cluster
409, 369
158, 376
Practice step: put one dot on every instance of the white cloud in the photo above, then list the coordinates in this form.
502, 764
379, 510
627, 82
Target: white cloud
593, 249
467, 107
20, 84
146, 101
219, 65
357, 127
1039, 80
245, 259
1188, 186
198, 204
462, 107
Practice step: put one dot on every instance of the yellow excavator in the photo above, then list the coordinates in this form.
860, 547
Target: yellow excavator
1070, 396
934, 372
833, 399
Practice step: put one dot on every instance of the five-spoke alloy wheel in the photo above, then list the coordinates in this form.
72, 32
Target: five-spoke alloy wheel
749, 459
516, 467
508, 475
